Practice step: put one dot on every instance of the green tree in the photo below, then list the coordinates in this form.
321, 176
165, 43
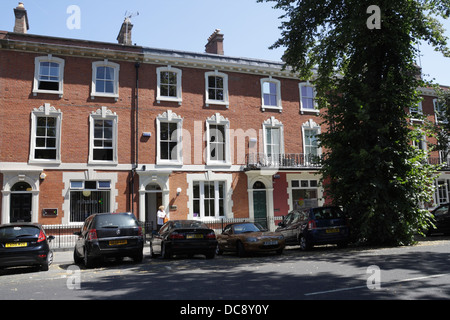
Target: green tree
363, 67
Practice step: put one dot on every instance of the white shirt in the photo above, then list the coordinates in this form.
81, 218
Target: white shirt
161, 215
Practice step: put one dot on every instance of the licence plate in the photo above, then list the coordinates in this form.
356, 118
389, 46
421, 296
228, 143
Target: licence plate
117, 242
16, 244
270, 243
194, 236
332, 230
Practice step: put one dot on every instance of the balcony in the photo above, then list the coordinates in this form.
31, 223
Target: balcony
286, 161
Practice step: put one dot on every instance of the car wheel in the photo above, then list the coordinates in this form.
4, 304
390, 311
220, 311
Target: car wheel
88, 261
304, 243
165, 253
48, 261
76, 258
240, 249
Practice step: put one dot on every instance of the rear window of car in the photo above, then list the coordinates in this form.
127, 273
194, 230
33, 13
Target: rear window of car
327, 213
115, 220
189, 224
19, 231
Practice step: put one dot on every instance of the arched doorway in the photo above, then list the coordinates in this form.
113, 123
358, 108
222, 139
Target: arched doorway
260, 203
21, 202
153, 199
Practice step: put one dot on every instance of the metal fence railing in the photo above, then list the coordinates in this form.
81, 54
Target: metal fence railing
65, 238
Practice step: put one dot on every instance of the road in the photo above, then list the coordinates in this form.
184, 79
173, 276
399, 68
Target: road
415, 272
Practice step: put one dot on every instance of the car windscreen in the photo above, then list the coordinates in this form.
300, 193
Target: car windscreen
245, 227
15, 232
327, 213
115, 221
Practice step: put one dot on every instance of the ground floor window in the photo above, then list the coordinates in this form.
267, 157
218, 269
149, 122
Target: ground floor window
208, 199
304, 194
88, 197
442, 191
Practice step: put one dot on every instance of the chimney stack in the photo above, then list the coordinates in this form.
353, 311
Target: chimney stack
124, 36
21, 24
215, 43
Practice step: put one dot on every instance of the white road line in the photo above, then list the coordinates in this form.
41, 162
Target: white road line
392, 282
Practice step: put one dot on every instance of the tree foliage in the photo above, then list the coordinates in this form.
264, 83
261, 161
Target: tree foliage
366, 79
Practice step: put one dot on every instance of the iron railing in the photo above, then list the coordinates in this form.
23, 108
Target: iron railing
256, 161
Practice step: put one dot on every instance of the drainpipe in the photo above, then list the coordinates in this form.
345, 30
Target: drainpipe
136, 159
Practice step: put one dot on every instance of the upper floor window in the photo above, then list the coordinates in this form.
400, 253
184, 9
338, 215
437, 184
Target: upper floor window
273, 140
307, 98
45, 135
311, 145
218, 145
105, 79
169, 139
103, 137
48, 75
271, 94
439, 111
168, 84
216, 88
416, 111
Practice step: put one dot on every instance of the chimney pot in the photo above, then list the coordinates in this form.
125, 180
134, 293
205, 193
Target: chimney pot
215, 43
124, 36
21, 23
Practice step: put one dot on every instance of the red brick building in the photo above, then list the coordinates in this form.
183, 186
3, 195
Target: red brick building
89, 126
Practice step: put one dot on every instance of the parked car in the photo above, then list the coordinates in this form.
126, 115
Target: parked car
189, 237
25, 244
320, 225
441, 220
249, 237
106, 235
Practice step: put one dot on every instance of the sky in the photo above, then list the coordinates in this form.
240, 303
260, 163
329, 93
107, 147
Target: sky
249, 28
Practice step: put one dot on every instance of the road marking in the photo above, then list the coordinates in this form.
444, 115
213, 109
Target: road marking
392, 282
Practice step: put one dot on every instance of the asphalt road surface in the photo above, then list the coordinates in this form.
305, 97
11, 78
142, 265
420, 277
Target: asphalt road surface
416, 272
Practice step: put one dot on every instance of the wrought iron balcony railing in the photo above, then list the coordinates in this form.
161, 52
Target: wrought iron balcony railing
282, 161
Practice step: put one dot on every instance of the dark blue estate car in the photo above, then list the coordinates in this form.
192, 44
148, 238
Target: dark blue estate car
313, 226
441, 220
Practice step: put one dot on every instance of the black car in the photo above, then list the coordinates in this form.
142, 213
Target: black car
25, 244
320, 225
441, 220
109, 235
184, 237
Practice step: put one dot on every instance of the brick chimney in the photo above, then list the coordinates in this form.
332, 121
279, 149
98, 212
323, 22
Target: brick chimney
215, 43
21, 23
124, 36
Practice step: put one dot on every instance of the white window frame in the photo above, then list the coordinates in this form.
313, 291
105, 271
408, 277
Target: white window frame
37, 67
103, 114
218, 119
224, 77
160, 97
116, 68
227, 178
277, 83
302, 108
46, 110
169, 117
438, 112
416, 110
273, 123
310, 125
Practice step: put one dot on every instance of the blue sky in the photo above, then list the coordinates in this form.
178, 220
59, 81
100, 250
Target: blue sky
249, 28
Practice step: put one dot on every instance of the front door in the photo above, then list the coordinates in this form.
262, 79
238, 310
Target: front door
20, 207
260, 207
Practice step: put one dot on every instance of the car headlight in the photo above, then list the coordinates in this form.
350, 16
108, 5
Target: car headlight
251, 239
